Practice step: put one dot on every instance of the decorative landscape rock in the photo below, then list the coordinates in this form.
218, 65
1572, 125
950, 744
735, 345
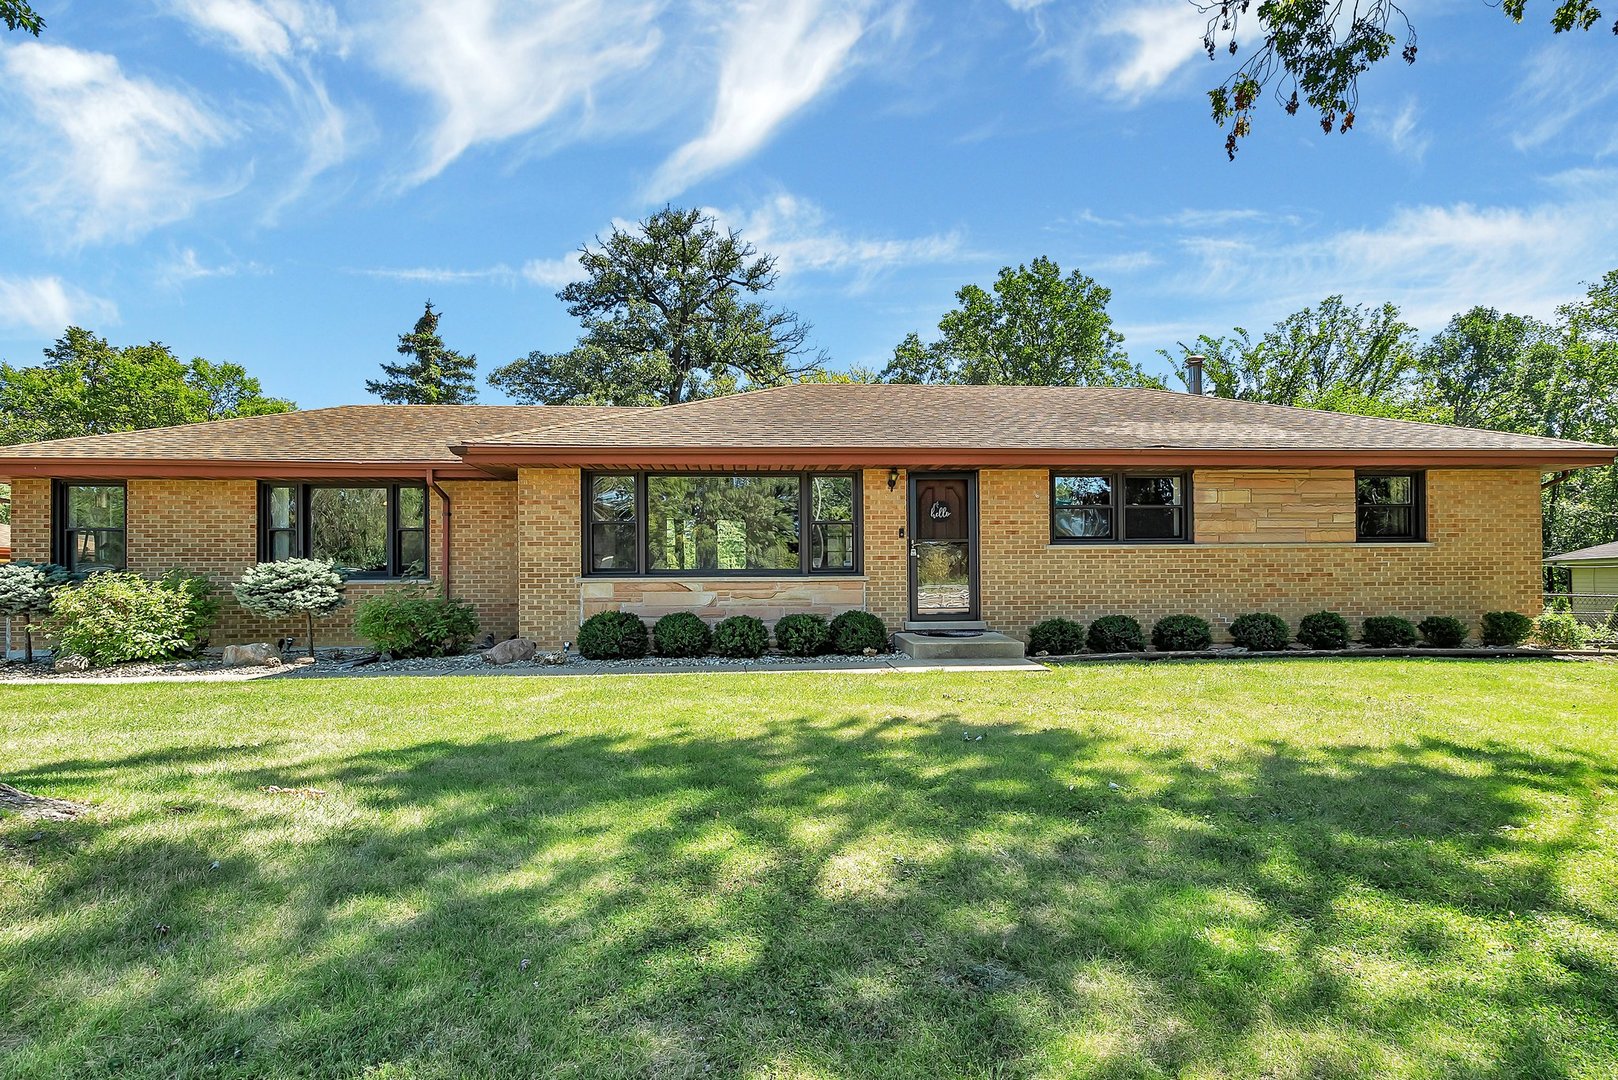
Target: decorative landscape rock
261, 654
71, 664
515, 651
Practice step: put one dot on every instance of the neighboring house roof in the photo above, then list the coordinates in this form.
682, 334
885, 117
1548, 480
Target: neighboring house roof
357, 438
867, 424
848, 425
1601, 553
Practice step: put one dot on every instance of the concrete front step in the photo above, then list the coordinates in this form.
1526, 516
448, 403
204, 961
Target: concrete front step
985, 646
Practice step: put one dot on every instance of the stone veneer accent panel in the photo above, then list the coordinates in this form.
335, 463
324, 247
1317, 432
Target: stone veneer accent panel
1482, 554
766, 598
210, 527
1274, 506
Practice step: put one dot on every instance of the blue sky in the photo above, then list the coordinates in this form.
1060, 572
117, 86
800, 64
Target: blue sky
283, 182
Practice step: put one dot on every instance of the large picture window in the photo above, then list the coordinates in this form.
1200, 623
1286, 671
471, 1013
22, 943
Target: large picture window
1389, 506
90, 526
712, 523
1114, 506
365, 530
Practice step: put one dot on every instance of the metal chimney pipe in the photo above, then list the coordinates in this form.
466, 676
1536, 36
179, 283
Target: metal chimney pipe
1193, 373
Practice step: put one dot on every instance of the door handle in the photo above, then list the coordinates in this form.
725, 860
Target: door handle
914, 553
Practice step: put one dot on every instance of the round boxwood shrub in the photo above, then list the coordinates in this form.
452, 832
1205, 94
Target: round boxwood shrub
1058, 637
853, 632
741, 637
1442, 632
1324, 630
1181, 633
1508, 628
681, 633
1388, 632
1260, 632
1115, 633
802, 634
612, 635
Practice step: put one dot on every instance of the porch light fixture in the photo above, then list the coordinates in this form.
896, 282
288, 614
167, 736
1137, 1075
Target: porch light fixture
893, 477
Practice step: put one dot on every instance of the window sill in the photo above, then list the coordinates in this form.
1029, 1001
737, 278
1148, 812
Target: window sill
388, 581
1268, 544
740, 579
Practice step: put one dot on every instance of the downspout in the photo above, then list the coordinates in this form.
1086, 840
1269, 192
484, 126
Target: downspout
1560, 478
444, 547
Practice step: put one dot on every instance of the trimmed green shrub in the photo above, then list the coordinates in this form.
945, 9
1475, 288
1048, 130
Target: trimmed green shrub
116, 617
1324, 630
409, 623
204, 606
26, 589
1506, 628
1181, 633
680, 634
1059, 637
1442, 631
740, 637
1115, 633
291, 587
1260, 632
1388, 632
853, 632
612, 635
802, 634
1559, 628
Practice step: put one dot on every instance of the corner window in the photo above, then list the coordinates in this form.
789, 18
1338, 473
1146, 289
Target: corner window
1118, 506
1389, 506
720, 523
90, 526
365, 530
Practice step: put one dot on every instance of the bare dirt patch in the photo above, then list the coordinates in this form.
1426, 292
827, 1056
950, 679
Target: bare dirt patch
38, 807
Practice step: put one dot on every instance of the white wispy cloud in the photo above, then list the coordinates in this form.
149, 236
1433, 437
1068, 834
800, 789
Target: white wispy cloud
1567, 97
1402, 131
1127, 50
496, 70
185, 265
552, 273
108, 154
777, 57
802, 238
48, 305
283, 38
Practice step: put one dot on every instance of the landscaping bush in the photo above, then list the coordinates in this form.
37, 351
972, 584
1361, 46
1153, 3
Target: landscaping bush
291, 587
1388, 632
1506, 627
740, 637
802, 634
853, 632
1324, 630
1115, 633
1442, 632
204, 607
612, 635
1181, 633
1260, 632
1559, 628
26, 589
409, 623
681, 634
1059, 637
114, 618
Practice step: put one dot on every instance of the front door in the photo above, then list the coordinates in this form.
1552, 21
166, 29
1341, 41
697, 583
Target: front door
943, 547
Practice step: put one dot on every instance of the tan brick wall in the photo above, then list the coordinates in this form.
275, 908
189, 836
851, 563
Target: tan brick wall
1483, 555
549, 554
887, 554
1274, 506
209, 527
715, 598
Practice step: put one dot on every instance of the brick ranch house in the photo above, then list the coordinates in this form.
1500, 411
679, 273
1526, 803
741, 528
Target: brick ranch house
923, 504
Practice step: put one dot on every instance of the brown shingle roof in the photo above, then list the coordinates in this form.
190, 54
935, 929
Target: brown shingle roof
815, 416
363, 434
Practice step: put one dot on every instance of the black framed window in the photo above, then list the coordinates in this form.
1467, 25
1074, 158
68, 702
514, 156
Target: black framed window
720, 523
365, 530
1115, 506
1390, 506
91, 520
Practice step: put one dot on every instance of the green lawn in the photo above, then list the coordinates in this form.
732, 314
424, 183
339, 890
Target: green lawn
1312, 869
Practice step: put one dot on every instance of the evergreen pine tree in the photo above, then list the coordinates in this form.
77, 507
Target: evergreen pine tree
433, 374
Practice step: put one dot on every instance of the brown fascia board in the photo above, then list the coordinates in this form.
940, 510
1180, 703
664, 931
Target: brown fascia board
964, 457
114, 468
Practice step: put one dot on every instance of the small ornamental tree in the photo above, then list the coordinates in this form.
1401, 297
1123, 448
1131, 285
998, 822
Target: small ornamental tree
291, 587
25, 589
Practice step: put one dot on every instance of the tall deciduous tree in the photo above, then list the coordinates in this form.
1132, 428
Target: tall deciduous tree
87, 386
1037, 328
433, 374
672, 311
1336, 356
1310, 54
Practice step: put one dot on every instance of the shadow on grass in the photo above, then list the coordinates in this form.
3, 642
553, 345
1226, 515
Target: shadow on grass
827, 897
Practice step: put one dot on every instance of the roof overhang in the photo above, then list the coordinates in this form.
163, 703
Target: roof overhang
494, 457
206, 469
